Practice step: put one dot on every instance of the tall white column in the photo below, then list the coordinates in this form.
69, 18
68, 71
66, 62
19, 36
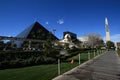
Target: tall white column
107, 30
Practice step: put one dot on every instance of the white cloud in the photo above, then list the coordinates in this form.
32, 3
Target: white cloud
114, 38
83, 39
60, 21
47, 22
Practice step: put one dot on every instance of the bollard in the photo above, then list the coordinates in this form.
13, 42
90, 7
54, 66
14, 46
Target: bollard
97, 53
88, 56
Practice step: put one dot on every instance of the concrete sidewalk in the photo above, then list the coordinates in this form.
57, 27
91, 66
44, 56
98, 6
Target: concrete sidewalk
104, 67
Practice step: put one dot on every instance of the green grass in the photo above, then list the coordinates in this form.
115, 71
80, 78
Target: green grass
83, 56
41, 72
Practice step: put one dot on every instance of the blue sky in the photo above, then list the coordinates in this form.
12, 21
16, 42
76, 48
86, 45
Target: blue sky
78, 16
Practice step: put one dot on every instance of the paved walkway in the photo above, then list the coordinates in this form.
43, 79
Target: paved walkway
105, 67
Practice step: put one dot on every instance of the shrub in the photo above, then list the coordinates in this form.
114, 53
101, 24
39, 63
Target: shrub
21, 59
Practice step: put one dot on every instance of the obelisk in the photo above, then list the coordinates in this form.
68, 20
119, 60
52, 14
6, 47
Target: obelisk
107, 30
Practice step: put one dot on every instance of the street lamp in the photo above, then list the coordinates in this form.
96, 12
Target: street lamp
54, 35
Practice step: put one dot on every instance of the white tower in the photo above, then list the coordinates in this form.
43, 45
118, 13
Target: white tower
107, 30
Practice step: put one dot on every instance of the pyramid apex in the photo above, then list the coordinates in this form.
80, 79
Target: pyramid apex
36, 22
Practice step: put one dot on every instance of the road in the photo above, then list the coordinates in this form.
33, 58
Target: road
104, 67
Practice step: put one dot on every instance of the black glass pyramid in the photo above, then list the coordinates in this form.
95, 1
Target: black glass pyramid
35, 31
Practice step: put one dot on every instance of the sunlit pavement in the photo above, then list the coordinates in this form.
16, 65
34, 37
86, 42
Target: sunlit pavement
104, 67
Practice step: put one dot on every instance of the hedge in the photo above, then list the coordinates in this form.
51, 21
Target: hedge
26, 58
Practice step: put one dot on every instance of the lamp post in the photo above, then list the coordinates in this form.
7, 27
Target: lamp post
53, 43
